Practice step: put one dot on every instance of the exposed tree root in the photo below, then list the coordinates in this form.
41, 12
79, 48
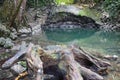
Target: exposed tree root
68, 63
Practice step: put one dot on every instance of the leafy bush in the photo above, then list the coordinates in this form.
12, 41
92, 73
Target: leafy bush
35, 3
112, 7
39, 3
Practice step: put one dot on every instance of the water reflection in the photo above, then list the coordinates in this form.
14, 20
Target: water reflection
106, 42
69, 35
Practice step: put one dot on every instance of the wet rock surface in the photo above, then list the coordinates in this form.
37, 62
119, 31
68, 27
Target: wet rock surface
65, 20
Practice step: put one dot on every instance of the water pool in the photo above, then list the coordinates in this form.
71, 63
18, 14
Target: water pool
107, 42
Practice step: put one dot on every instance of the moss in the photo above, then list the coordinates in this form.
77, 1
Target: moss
94, 14
23, 63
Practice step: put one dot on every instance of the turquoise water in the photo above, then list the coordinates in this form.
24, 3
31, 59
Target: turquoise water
99, 41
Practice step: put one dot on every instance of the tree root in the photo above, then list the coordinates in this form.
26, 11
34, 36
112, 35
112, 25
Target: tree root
77, 64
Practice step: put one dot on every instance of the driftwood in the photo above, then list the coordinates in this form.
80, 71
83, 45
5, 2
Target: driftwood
78, 64
72, 69
88, 60
89, 75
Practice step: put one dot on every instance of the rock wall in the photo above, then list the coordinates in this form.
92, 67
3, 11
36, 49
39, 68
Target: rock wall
66, 20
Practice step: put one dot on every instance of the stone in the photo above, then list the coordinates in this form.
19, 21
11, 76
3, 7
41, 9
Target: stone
17, 69
13, 36
2, 41
4, 31
66, 21
8, 43
111, 57
67, 8
5, 74
25, 30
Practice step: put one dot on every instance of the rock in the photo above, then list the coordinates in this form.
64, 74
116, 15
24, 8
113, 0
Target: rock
118, 62
8, 43
5, 74
25, 30
3, 28
4, 31
16, 47
13, 36
17, 69
7, 50
109, 57
55, 47
2, 41
66, 8
48, 77
36, 29
66, 21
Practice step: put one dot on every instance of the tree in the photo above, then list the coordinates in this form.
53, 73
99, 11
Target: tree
12, 12
112, 7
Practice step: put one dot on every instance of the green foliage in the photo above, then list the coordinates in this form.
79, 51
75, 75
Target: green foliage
96, 1
39, 3
64, 1
112, 7
35, 3
7, 10
94, 14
